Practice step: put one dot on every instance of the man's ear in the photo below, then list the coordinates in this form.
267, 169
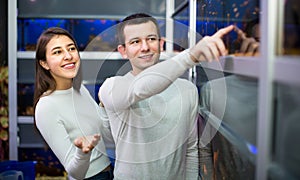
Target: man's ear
161, 43
44, 64
122, 51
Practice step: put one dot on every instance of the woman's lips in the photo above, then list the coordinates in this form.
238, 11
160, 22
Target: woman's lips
69, 66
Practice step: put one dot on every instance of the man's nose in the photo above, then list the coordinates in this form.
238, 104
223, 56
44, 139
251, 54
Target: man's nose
145, 45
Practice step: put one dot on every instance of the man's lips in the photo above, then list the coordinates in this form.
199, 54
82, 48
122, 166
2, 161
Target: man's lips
149, 56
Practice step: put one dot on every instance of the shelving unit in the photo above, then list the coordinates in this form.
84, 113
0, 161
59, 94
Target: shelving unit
274, 74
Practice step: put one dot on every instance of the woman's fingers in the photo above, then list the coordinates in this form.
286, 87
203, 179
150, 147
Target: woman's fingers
87, 143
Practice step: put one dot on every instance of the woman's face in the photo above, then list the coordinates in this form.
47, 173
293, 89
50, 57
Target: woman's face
62, 60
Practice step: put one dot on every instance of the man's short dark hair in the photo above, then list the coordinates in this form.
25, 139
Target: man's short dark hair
137, 18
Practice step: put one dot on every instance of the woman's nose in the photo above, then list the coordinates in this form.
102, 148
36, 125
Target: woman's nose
67, 55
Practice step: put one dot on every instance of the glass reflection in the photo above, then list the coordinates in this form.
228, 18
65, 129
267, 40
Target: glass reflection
286, 153
292, 27
233, 141
244, 14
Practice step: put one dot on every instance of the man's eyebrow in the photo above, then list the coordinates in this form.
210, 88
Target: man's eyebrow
152, 35
142, 38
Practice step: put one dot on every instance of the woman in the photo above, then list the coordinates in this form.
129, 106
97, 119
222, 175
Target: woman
65, 114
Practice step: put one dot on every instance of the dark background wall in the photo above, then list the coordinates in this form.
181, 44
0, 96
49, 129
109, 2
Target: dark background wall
89, 8
3, 32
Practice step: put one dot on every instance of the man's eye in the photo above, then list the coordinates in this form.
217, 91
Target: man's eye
152, 39
134, 42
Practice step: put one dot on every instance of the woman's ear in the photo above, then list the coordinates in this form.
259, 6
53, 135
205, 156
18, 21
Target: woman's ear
122, 51
44, 64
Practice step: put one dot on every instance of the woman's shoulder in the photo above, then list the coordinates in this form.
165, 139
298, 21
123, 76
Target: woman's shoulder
51, 100
46, 102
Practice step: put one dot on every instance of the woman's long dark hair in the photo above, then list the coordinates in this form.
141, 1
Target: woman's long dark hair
43, 79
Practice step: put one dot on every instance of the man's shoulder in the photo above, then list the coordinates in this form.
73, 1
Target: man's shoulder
186, 87
118, 77
113, 79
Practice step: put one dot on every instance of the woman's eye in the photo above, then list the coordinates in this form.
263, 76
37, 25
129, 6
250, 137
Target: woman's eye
57, 52
72, 49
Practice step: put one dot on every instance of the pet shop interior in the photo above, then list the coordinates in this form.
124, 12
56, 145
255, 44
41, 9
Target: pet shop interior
254, 113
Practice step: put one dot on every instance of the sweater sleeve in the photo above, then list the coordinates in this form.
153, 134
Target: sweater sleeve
105, 128
118, 93
75, 162
192, 156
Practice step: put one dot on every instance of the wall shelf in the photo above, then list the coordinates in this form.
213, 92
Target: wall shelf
90, 55
247, 66
25, 120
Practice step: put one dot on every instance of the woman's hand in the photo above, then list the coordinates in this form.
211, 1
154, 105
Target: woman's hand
87, 143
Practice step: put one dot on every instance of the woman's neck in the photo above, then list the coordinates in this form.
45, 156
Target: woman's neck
64, 86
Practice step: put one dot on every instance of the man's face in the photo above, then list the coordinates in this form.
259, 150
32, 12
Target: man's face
142, 46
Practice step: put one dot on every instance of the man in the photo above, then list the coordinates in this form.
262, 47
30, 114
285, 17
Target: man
152, 113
